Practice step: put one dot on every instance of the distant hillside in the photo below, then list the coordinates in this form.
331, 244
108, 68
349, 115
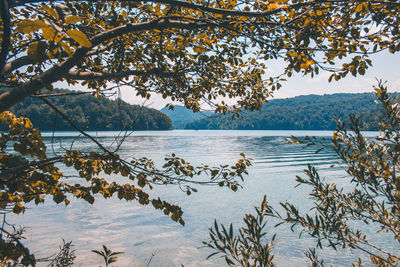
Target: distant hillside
88, 113
310, 112
181, 115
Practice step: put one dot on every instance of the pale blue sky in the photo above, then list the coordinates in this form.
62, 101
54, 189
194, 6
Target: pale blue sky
385, 67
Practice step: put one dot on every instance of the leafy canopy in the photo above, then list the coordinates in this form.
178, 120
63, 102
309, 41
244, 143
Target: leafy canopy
190, 51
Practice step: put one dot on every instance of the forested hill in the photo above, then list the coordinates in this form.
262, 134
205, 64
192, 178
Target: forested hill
181, 115
310, 112
88, 113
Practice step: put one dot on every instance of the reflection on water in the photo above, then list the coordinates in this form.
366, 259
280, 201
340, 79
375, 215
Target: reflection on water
140, 231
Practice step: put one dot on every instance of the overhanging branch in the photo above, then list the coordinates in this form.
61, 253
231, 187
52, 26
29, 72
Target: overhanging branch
54, 74
77, 75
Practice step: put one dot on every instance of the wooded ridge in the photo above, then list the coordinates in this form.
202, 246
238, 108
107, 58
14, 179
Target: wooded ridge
309, 112
89, 113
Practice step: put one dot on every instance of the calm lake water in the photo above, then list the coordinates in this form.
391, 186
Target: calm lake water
140, 231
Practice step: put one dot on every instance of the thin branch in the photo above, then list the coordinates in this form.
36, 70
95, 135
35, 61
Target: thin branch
65, 117
14, 170
77, 75
74, 93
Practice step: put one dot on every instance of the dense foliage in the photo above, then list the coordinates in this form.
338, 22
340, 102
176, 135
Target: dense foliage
339, 215
89, 113
311, 112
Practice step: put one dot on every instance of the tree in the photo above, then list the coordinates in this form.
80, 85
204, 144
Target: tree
338, 216
189, 51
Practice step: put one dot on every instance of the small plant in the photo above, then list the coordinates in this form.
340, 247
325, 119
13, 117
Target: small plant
108, 256
65, 256
249, 247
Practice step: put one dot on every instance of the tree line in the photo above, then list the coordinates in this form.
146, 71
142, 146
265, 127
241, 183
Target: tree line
310, 112
89, 113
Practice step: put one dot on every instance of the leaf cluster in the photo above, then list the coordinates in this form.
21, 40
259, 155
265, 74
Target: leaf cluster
11, 249
108, 255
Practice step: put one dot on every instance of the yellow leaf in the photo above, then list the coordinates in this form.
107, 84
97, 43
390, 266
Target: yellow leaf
149, 8
158, 10
79, 37
50, 11
124, 14
66, 48
359, 7
304, 65
28, 26
51, 35
37, 50
272, 6
72, 19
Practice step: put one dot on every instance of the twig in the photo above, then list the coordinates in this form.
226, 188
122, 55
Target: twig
73, 124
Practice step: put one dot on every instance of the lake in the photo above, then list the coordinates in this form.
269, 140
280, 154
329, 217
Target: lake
141, 231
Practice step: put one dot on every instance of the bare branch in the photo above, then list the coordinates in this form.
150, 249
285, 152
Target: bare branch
76, 75
65, 117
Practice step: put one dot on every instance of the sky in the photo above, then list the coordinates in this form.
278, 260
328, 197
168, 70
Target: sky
385, 67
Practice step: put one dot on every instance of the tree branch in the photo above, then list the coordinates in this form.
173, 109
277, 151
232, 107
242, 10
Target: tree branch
65, 117
228, 12
25, 60
5, 43
77, 75
54, 74
18, 63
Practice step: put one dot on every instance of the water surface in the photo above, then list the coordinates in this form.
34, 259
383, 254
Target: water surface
140, 231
